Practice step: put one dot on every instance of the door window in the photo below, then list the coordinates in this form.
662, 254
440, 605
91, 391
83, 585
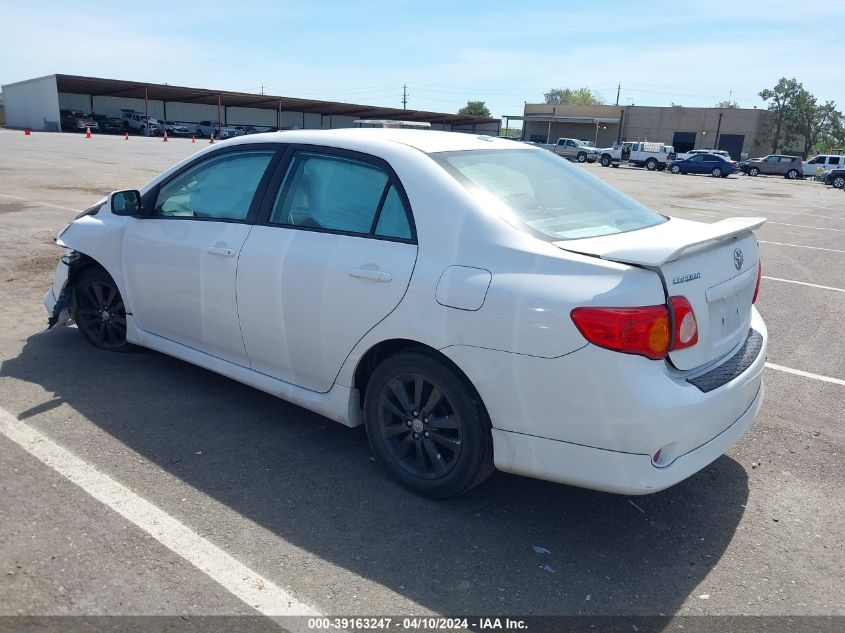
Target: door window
220, 188
833, 160
697, 158
336, 193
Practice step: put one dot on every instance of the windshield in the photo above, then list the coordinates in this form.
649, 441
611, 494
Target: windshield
545, 193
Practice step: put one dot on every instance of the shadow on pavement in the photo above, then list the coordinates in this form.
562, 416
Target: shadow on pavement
311, 482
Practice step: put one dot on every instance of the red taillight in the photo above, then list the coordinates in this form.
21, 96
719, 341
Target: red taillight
759, 277
686, 327
644, 331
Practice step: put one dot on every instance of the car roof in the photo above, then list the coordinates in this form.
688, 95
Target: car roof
365, 139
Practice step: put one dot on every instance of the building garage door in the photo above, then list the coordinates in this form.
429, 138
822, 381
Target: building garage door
683, 141
732, 143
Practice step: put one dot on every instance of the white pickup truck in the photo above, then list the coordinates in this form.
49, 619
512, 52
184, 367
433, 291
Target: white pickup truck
652, 156
141, 123
573, 149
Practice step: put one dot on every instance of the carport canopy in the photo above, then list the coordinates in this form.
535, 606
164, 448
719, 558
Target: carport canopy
96, 86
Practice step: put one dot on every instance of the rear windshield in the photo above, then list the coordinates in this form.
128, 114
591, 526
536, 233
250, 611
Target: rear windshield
544, 193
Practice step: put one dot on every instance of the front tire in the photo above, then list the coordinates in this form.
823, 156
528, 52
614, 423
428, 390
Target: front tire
427, 425
99, 311
675, 169
651, 164
605, 161
716, 173
753, 171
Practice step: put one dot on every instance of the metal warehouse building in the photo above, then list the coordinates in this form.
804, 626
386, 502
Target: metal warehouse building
742, 132
35, 104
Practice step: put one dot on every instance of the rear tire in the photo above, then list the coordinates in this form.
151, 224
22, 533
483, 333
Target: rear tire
716, 173
651, 164
792, 174
427, 425
581, 157
839, 182
198, 133
99, 311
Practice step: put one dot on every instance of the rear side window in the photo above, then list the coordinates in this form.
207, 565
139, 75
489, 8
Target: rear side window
834, 160
543, 193
393, 221
328, 192
336, 193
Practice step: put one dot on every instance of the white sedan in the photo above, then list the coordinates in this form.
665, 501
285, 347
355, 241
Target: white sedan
474, 302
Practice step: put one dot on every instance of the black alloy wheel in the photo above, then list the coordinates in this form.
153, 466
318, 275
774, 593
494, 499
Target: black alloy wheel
427, 426
99, 311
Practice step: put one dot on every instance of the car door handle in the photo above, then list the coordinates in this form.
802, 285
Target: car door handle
220, 251
372, 275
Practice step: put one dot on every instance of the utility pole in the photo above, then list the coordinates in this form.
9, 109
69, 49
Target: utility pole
262, 88
404, 96
618, 88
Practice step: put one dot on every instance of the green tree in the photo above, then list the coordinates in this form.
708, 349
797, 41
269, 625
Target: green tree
780, 100
577, 96
810, 120
727, 104
475, 108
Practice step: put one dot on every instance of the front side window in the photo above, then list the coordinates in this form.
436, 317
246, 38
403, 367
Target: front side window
544, 193
220, 188
329, 192
697, 158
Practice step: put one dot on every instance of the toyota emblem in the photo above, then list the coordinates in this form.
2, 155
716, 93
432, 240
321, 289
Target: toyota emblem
738, 258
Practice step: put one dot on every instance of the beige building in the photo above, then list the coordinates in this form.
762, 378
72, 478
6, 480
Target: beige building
742, 132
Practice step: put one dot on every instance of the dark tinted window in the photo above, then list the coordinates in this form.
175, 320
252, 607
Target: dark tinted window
834, 160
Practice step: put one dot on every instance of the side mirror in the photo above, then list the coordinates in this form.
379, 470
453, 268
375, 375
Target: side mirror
125, 202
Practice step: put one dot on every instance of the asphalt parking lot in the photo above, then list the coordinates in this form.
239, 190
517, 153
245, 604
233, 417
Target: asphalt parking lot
296, 499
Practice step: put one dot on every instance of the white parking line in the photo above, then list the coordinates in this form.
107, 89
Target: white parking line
806, 374
803, 283
251, 587
802, 226
815, 248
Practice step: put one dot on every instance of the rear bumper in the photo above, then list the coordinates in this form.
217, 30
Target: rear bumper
595, 418
610, 471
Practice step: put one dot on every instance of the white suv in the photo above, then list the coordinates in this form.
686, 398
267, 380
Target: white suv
823, 162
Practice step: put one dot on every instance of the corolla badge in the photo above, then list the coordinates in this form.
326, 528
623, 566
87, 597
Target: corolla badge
738, 258
684, 278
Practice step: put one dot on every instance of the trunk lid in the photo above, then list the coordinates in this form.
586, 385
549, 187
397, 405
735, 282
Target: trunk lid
713, 265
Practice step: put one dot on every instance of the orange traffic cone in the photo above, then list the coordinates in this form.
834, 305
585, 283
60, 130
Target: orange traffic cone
125, 135
193, 139
164, 140
26, 132
87, 132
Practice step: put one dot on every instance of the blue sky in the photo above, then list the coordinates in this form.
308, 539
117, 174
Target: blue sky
694, 54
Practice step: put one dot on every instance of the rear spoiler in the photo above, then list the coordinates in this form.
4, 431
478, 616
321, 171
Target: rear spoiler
663, 243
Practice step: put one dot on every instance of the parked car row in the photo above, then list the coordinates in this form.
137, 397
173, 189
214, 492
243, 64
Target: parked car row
132, 121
